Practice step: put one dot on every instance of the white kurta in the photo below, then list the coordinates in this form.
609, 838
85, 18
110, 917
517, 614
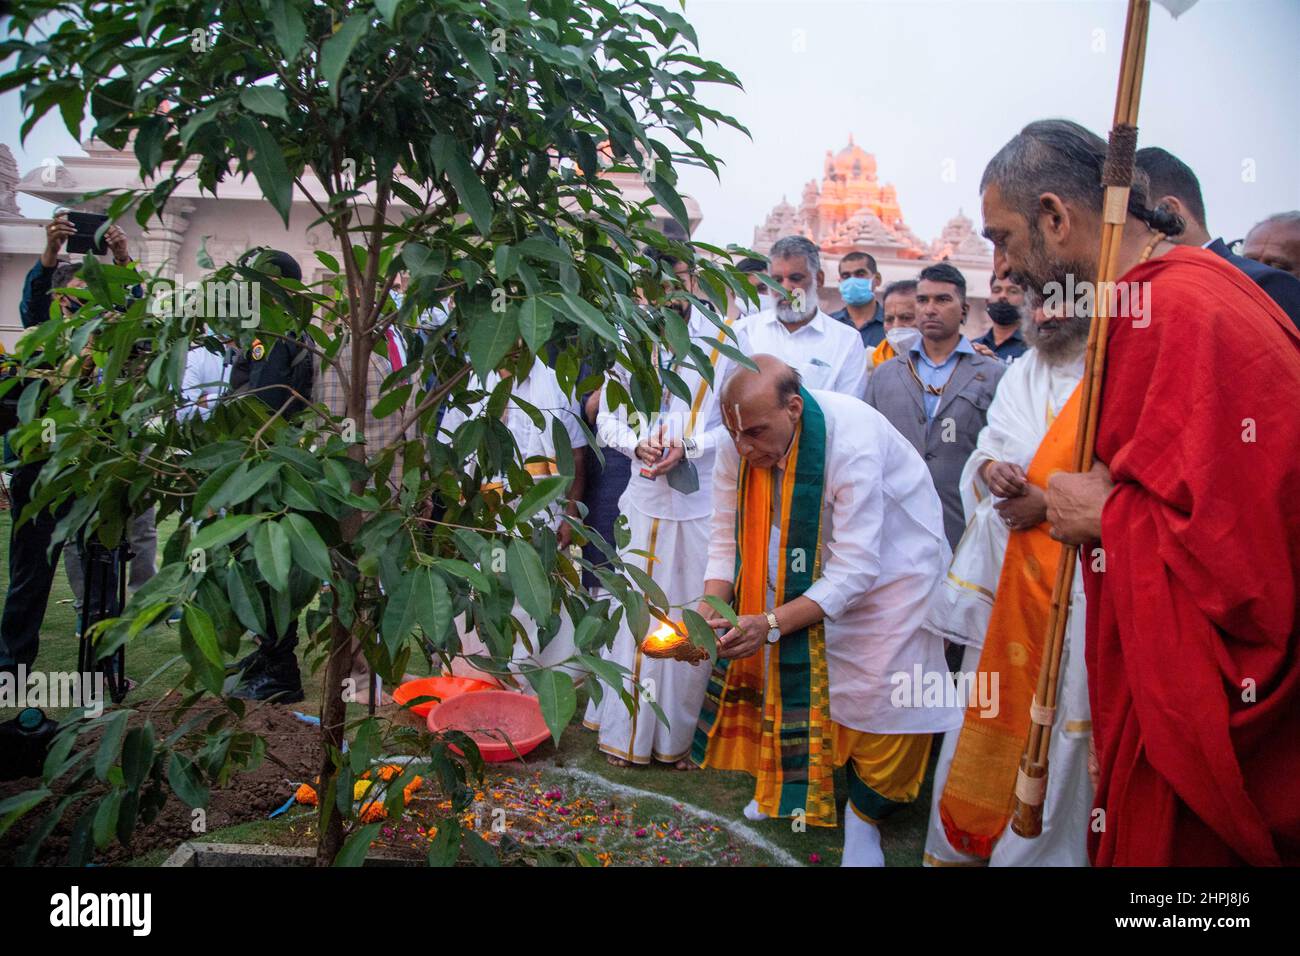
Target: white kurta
884, 550
1028, 399
827, 353
674, 528
541, 389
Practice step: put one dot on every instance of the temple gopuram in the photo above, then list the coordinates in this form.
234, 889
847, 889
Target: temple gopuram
850, 210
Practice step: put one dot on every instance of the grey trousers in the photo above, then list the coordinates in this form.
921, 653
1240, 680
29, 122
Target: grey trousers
143, 536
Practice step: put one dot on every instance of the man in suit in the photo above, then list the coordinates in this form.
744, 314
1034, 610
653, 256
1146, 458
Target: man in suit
938, 394
1175, 186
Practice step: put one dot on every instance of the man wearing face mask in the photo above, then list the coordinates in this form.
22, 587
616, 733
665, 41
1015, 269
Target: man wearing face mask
1006, 300
901, 333
859, 281
827, 354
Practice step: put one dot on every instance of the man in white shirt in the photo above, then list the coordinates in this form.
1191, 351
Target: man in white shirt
541, 389
829, 533
667, 503
826, 353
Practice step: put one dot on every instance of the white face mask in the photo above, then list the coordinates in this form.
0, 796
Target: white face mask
901, 338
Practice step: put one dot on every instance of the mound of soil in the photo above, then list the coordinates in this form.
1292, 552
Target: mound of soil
292, 756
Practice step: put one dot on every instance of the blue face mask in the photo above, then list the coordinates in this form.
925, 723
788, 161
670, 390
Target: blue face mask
856, 291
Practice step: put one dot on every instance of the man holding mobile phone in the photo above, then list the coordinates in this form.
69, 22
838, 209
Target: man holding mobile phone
31, 564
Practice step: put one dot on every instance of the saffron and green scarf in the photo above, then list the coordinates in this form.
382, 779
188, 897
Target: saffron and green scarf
784, 736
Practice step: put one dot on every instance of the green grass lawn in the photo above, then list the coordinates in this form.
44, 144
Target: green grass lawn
661, 798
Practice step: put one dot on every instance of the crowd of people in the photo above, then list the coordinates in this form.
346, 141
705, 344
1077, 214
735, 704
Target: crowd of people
883, 501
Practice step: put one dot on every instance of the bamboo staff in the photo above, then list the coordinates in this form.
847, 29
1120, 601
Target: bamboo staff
1117, 177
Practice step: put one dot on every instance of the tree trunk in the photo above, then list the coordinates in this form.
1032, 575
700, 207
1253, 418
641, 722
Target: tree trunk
333, 718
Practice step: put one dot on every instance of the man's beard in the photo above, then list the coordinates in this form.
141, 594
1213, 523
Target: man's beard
1004, 313
1041, 271
786, 312
1058, 340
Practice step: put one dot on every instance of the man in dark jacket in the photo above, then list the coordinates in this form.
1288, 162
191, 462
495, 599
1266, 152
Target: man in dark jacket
279, 373
1175, 186
32, 563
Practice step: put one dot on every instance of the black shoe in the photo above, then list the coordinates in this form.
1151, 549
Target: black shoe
277, 681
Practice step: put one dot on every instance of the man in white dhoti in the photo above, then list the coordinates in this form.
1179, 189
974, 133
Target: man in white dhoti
999, 587
668, 502
828, 533
827, 353
541, 389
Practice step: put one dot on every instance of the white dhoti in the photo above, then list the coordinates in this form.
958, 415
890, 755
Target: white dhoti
1068, 803
524, 657
681, 552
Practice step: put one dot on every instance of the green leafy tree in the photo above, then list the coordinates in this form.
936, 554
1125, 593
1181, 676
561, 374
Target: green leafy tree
460, 144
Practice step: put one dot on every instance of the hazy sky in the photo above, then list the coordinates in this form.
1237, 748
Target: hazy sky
934, 88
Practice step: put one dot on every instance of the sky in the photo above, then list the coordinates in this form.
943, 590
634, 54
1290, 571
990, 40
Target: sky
934, 88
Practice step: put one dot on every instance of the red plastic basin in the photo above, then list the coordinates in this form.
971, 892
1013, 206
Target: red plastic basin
444, 688
492, 717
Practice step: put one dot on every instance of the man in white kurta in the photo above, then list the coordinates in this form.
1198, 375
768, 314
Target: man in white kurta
1029, 398
541, 389
883, 552
672, 527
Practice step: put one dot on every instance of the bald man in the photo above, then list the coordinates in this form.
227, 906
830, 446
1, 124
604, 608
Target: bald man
1275, 241
828, 536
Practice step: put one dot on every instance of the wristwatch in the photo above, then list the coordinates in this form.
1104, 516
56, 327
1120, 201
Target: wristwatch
692, 447
774, 629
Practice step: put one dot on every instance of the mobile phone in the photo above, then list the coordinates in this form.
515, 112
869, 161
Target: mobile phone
83, 241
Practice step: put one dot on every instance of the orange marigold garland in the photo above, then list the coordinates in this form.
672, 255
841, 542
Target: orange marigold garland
369, 810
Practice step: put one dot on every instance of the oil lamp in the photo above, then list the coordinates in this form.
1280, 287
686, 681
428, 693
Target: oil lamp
669, 642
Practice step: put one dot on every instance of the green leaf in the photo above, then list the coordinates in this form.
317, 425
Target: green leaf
335, 51
186, 782
288, 26
266, 160
357, 845
453, 161
245, 600
272, 550
12, 808
588, 315
308, 548
701, 635
137, 755
223, 531
388, 10
535, 323
106, 818
111, 743
420, 600
558, 699
423, 262
266, 100
490, 337
723, 608
392, 400
540, 496
473, 48
252, 483
444, 848
203, 632
528, 580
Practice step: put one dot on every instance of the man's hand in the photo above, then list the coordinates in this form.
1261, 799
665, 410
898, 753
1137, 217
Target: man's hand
657, 463
1074, 503
115, 239
983, 349
56, 234
746, 639
711, 617
564, 535
1005, 479
1024, 511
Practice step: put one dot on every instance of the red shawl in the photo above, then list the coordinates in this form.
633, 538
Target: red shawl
1198, 601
